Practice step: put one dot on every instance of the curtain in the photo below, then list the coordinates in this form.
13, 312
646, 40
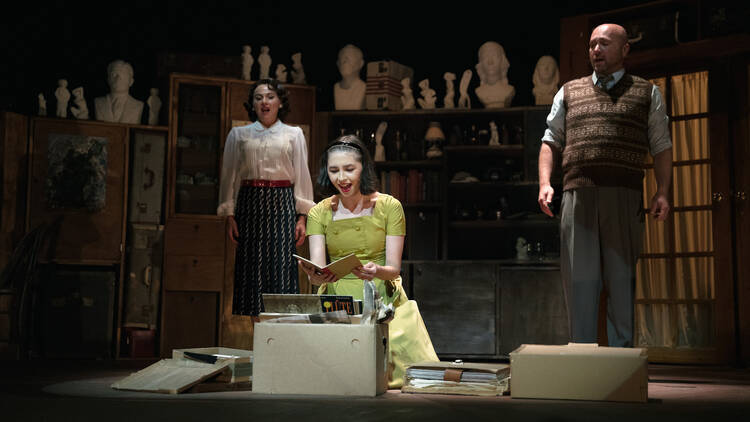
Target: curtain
675, 294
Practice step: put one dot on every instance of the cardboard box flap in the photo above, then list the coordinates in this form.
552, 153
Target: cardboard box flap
580, 349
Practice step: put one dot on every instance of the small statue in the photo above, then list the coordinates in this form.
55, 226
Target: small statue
154, 105
522, 252
349, 92
247, 62
407, 98
463, 89
63, 96
264, 61
449, 91
281, 73
546, 77
379, 148
298, 72
42, 104
492, 68
494, 134
428, 95
79, 110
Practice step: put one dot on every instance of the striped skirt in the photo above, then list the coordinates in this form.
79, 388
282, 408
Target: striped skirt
264, 264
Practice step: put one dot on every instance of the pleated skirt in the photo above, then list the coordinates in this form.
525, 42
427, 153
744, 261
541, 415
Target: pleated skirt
265, 218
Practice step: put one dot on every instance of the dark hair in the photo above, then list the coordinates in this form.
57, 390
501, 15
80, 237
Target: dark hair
368, 182
276, 87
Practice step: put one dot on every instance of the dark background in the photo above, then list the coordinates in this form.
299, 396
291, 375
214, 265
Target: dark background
43, 42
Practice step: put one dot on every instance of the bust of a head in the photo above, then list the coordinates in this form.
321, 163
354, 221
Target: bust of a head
350, 61
120, 76
546, 72
492, 66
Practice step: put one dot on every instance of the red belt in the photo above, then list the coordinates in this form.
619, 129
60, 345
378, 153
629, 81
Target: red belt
259, 183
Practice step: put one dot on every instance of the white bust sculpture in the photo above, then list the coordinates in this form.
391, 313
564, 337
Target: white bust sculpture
546, 77
298, 72
407, 98
42, 104
79, 109
118, 105
154, 105
428, 95
379, 148
264, 61
463, 89
281, 74
492, 68
449, 91
349, 92
63, 96
247, 62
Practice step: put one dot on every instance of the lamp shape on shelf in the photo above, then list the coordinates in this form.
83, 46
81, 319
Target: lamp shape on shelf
433, 138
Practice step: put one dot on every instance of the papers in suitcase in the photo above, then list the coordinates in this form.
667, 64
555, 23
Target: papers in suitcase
464, 378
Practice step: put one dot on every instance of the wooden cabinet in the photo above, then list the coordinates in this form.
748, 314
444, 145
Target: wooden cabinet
199, 258
486, 309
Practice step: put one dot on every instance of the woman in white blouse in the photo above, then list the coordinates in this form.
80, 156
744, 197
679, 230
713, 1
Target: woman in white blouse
266, 192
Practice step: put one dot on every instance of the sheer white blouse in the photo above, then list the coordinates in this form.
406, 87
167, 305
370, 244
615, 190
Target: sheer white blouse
256, 152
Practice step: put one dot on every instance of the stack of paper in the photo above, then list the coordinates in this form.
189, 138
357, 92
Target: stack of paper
464, 378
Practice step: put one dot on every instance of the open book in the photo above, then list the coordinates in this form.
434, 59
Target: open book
340, 267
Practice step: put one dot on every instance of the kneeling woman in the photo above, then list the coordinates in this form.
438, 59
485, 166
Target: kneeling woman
358, 219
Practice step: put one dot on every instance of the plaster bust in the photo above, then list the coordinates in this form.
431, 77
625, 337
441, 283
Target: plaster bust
349, 92
546, 77
492, 68
118, 105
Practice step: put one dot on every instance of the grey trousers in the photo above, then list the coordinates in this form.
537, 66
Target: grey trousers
601, 233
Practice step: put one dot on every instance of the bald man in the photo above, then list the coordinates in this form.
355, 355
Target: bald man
603, 126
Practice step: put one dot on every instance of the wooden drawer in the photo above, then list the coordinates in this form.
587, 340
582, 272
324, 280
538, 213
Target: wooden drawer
194, 272
195, 237
191, 319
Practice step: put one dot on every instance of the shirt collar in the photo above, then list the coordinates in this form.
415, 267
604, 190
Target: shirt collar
258, 127
615, 78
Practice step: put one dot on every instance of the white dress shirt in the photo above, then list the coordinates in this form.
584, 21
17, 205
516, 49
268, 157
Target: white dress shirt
658, 122
275, 153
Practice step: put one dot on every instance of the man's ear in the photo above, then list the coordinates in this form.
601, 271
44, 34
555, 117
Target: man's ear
625, 49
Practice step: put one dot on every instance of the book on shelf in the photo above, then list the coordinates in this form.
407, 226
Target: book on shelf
339, 268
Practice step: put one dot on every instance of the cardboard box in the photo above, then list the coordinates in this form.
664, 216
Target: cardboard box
239, 362
579, 372
383, 90
332, 359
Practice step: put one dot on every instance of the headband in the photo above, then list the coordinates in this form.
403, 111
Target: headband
345, 144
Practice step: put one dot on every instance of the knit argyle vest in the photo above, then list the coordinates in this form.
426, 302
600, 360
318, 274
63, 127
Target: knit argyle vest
606, 133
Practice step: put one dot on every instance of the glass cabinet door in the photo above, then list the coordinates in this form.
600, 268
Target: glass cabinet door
197, 150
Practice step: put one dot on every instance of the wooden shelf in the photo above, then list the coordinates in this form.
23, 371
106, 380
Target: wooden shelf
482, 185
504, 224
510, 150
410, 164
438, 112
431, 205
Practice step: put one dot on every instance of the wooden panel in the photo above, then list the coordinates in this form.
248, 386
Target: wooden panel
13, 175
458, 304
195, 237
186, 272
83, 234
532, 308
237, 332
190, 319
237, 94
574, 43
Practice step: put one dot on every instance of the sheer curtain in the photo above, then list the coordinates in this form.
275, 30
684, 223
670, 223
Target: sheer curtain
675, 280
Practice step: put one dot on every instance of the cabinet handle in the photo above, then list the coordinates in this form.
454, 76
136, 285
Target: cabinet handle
717, 197
741, 195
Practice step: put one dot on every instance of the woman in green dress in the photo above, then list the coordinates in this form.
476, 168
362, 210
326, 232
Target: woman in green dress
358, 219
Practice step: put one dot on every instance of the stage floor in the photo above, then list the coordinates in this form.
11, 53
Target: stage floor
79, 391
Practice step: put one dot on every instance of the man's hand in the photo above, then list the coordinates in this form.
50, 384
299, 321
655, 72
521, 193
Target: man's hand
545, 199
660, 207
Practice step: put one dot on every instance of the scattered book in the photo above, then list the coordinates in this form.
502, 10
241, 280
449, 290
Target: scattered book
463, 378
339, 268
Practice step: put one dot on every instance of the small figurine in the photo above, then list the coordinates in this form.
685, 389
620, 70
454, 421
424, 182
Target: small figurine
546, 77
298, 72
522, 252
281, 73
407, 98
379, 148
154, 105
63, 96
449, 91
494, 135
264, 60
428, 95
79, 110
42, 104
463, 89
247, 62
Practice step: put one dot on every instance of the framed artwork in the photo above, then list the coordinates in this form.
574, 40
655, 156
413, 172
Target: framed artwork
78, 176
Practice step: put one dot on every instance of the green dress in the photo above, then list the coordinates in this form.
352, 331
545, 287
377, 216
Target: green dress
365, 236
